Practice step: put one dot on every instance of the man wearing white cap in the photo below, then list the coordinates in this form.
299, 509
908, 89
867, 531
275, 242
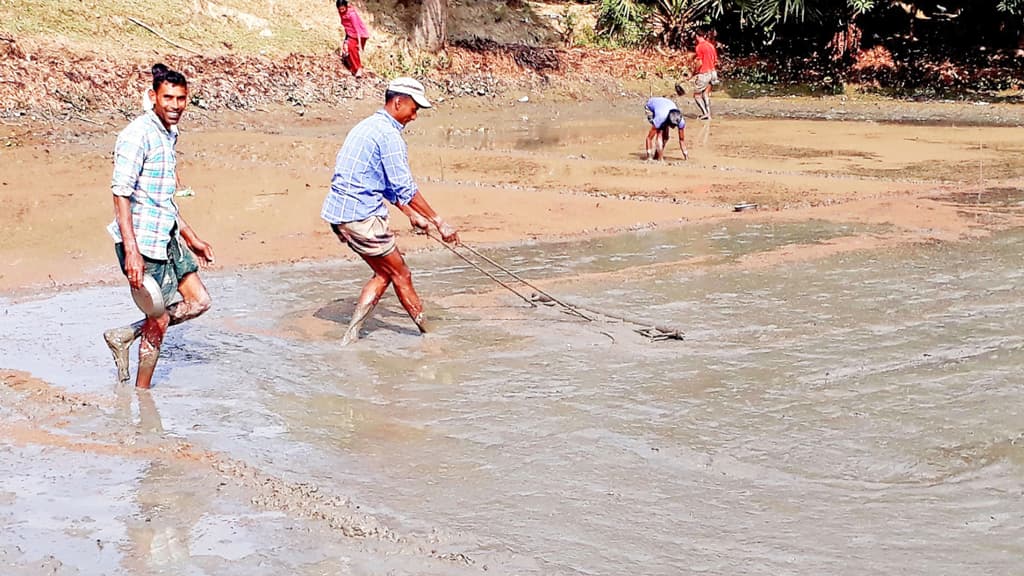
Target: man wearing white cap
371, 167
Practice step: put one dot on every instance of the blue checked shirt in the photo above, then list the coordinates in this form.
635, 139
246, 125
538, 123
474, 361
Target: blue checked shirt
372, 166
144, 164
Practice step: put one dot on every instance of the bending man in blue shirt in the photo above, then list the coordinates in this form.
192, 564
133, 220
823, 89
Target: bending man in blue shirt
373, 166
663, 115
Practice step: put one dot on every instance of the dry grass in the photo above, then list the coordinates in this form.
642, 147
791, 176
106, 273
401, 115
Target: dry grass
227, 26
60, 57
263, 27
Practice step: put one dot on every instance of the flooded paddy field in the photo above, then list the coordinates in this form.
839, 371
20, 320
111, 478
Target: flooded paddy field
509, 172
849, 413
845, 399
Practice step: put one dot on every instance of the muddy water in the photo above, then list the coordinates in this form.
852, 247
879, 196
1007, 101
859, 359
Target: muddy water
852, 414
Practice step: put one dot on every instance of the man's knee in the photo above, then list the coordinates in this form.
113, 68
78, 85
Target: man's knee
154, 328
203, 303
197, 304
402, 276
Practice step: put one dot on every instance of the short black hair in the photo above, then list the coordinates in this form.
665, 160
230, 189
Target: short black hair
162, 73
675, 118
341, 3
159, 72
390, 95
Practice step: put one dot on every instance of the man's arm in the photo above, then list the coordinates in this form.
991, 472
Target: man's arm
403, 190
420, 205
682, 143
417, 220
134, 267
195, 244
129, 158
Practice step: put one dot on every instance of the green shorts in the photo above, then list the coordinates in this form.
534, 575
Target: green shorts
167, 273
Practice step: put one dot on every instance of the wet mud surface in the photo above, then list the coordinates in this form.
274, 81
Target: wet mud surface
844, 398
510, 171
857, 405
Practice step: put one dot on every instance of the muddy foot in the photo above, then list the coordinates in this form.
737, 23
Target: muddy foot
423, 324
119, 340
350, 337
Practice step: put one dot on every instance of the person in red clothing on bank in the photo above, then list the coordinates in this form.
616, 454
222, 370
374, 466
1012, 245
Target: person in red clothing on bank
707, 76
356, 35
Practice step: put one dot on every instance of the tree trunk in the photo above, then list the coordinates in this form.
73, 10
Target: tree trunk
431, 32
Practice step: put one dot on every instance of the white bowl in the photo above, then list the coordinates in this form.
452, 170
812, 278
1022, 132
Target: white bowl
149, 298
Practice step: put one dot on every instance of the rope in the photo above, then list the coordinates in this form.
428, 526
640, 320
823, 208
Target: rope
570, 309
648, 329
485, 272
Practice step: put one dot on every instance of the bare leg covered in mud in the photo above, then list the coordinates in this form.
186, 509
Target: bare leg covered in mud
196, 300
153, 330
703, 100
387, 270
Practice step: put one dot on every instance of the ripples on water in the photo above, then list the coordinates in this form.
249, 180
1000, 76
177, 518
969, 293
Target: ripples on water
856, 414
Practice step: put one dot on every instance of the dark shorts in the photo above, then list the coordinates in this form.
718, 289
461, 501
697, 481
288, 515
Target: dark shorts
370, 237
167, 273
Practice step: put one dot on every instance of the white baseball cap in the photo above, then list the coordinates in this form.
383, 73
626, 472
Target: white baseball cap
411, 88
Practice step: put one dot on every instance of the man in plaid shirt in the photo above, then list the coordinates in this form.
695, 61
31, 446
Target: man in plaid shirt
373, 166
148, 230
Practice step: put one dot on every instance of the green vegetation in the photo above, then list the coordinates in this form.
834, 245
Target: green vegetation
900, 47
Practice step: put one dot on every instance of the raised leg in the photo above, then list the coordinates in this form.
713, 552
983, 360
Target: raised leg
195, 301
119, 340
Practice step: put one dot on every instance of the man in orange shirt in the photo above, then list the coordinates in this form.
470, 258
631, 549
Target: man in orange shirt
707, 76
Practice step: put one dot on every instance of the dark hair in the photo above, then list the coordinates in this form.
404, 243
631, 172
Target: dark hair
390, 95
341, 3
675, 118
161, 73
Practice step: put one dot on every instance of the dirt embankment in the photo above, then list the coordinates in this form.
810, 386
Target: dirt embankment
44, 81
61, 61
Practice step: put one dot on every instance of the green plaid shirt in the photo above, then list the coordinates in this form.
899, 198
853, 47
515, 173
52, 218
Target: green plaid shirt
144, 172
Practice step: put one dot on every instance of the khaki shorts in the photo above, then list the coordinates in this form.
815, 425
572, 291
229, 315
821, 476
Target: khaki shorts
702, 81
370, 237
167, 273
